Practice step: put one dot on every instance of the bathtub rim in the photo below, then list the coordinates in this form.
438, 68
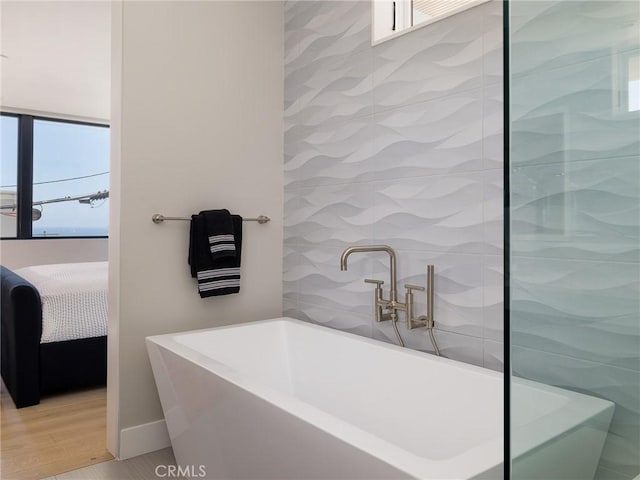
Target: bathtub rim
467, 464
579, 410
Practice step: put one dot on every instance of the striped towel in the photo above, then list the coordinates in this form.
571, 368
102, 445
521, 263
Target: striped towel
217, 275
220, 233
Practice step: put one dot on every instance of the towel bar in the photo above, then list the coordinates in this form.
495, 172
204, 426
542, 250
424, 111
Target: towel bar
159, 218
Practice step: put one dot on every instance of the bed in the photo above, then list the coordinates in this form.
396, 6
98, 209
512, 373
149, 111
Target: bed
53, 329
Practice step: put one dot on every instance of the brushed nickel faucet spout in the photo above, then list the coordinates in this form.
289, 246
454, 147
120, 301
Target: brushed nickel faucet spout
374, 248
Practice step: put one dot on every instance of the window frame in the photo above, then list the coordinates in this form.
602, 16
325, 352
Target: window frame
24, 182
401, 5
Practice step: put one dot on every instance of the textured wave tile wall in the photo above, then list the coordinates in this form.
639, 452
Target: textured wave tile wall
400, 144
575, 186
547, 34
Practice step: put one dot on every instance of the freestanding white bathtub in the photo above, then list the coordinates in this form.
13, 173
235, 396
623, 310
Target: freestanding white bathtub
284, 399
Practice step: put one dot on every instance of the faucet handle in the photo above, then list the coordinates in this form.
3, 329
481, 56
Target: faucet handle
380, 315
410, 287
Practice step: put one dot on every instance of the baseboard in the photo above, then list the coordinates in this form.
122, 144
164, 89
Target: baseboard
144, 438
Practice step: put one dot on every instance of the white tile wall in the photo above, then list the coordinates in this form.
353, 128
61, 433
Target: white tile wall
400, 144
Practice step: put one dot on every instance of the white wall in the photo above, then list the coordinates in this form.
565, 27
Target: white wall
196, 124
23, 253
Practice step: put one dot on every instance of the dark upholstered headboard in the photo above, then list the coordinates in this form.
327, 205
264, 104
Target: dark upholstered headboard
20, 332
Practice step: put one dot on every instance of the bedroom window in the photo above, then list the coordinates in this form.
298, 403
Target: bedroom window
59, 168
8, 175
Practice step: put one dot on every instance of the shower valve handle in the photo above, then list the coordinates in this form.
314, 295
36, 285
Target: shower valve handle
410, 288
380, 303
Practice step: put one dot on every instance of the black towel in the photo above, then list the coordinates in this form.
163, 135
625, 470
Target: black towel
220, 232
219, 276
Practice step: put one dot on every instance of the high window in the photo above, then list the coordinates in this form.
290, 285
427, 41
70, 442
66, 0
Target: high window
395, 17
54, 178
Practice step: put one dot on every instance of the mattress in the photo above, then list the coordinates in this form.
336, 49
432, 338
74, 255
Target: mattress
74, 299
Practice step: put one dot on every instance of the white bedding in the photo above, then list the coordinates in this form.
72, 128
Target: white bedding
74, 299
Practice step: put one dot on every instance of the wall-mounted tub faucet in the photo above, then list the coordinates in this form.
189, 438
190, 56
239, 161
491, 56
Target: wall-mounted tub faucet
381, 304
388, 309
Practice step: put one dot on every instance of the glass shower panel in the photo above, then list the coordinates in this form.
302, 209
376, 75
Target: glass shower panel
575, 238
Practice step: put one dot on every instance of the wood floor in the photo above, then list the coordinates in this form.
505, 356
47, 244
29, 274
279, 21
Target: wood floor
62, 433
143, 467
